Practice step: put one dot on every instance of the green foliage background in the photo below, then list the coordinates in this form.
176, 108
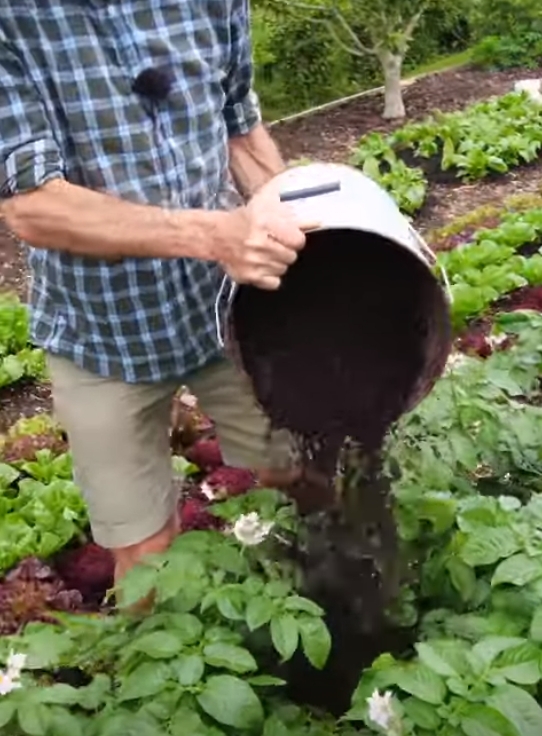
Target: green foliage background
298, 64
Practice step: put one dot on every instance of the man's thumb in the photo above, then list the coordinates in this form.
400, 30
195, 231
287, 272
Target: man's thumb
308, 225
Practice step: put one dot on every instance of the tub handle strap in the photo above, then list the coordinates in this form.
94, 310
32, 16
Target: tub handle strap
219, 320
433, 261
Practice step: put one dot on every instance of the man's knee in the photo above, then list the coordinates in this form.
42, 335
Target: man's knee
119, 437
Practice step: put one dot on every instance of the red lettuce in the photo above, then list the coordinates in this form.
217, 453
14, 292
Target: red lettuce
89, 569
205, 454
32, 592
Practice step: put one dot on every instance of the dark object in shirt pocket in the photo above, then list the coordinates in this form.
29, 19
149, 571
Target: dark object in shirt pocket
154, 83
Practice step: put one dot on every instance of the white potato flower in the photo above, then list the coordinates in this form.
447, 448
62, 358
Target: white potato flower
8, 683
16, 664
381, 710
10, 678
250, 530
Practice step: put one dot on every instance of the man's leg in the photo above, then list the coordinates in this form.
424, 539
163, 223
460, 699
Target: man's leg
119, 437
243, 431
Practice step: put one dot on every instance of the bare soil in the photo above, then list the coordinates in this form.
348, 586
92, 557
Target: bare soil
329, 136
447, 202
13, 272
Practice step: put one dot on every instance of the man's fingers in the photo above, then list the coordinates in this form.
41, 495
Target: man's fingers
278, 253
291, 232
269, 254
264, 275
265, 247
288, 234
268, 283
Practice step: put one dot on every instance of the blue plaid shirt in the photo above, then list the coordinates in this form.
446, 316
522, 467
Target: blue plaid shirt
67, 109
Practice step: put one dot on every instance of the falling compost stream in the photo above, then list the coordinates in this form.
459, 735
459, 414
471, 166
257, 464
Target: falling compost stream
336, 356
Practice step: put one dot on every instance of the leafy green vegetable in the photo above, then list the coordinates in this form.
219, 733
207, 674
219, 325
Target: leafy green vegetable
489, 137
18, 359
489, 266
40, 513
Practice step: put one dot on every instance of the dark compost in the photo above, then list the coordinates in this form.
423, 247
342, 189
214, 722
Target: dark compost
349, 341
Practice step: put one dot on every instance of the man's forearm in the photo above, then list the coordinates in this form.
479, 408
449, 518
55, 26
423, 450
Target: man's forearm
62, 216
254, 160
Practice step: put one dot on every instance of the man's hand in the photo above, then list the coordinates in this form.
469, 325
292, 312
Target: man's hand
263, 240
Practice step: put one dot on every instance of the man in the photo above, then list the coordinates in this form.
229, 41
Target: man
119, 125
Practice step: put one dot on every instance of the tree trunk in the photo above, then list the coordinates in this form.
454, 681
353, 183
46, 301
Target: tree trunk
393, 95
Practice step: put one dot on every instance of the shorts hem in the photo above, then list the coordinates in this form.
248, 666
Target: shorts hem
128, 535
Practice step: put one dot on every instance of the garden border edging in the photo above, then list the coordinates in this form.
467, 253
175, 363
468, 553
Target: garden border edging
356, 96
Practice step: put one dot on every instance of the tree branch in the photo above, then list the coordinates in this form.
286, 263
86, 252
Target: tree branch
358, 48
361, 51
411, 26
333, 16
303, 6
349, 30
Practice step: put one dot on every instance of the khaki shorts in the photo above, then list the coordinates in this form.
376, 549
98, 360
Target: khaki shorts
119, 437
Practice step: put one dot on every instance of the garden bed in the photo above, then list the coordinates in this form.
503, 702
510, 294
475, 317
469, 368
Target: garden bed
448, 617
331, 135
465, 587
484, 141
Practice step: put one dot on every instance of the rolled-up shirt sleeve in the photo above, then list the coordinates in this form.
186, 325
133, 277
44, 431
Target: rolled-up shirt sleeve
242, 108
29, 154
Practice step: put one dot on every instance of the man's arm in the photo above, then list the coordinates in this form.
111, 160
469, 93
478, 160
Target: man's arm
40, 207
254, 157
66, 217
254, 160
46, 211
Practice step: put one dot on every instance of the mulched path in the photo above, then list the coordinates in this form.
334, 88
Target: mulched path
329, 136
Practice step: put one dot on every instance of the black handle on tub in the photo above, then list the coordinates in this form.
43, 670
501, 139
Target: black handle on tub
333, 186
